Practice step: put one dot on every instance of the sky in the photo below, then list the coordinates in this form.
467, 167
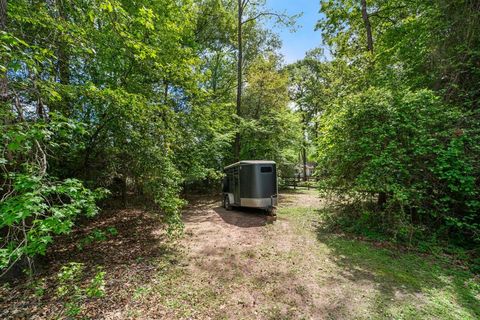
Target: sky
294, 45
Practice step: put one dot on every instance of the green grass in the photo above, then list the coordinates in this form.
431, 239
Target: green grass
446, 292
405, 285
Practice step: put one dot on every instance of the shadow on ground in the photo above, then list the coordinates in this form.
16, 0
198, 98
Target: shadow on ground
243, 217
198, 211
129, 258
426, 286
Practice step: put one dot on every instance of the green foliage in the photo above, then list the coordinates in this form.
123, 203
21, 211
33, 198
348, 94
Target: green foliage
96, 235
71, 290
398, 121
35, 205
38, 287
269, 128
38, 210
112, 231
406, 145
96, 288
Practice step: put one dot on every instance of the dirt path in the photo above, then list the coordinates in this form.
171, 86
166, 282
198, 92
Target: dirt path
238, 265
262, 269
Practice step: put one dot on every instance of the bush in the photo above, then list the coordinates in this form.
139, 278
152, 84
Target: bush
72, 292
36, 206
411, 149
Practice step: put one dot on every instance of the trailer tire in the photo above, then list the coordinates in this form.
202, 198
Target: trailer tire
271, 211
226, 203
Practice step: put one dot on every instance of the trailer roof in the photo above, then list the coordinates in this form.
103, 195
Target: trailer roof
250, 162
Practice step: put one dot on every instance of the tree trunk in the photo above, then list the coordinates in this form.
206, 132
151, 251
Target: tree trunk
304, 155
63, 61
63, 68
3, 15
382, 200
215, 74
124, 191
4, 96
165, 91
239, 78
3, 75
304, 147
368, 26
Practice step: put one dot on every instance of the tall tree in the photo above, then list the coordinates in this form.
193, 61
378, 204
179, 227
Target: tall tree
249, 11
3, 74
123, 94
368, 26
241, 7
270, 128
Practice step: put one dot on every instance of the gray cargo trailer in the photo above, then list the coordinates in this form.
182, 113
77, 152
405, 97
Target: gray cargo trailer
251, 183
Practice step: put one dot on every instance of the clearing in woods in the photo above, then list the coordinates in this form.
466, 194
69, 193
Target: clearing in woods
238, 265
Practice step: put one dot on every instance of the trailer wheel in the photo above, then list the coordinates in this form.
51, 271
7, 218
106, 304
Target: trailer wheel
271, 211
226, 203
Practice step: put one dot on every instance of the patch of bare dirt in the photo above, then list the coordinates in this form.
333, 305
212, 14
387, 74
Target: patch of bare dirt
301, 198
264, 268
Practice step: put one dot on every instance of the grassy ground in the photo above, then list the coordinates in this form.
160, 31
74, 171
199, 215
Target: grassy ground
402, 285
240, 265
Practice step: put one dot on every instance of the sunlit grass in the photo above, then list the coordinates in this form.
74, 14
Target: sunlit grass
407, 285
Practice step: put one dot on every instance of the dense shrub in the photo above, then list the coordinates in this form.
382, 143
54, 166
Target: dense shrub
34, 205
409, 148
